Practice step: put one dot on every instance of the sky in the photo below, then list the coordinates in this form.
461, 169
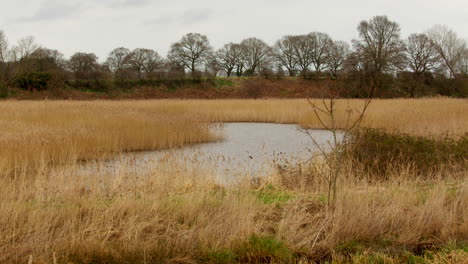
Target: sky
101, 25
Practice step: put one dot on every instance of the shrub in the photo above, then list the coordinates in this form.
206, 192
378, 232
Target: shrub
3, 91
379, 151
91, 85
33, 81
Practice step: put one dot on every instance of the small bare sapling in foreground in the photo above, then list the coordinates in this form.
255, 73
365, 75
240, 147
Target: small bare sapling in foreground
325, 110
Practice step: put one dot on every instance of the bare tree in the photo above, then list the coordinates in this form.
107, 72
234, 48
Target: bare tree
336, 57
7, 60
117, 61
25, 47
303, 52
47, 59
4, 52
241, 63
325, 110
321, 44
84, 65
449, 47
21, 55
422, 56
138, 59
14, 60
463, 65
379, 48
229, 57
256, 54
284, 52
191, 51
153, 62
212, 65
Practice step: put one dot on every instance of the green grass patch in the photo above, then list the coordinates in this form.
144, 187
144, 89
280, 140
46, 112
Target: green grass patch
262, 249
223, 82
272, 195
224, 256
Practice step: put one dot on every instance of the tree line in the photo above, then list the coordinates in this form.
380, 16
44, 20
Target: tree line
375, 56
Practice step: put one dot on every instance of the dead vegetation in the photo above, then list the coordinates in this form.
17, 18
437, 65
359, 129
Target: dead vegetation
51, 212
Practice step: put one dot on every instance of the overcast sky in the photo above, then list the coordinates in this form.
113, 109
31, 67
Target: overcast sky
100, 25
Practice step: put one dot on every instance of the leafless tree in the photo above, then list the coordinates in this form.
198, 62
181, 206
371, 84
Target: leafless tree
191, 51
84, 65
137, 61
6, 63
229, 57
4, 52
379, 48
321, 44
336, 57
25, 47
117, 61
463, 65
44, 59
325, 110
256, 54
14, 59
153, 62
144, 61
284, 52
303, 52
241, 63
212, 65
422, 57
449, 47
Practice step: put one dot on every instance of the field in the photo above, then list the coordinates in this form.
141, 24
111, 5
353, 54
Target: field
51, 213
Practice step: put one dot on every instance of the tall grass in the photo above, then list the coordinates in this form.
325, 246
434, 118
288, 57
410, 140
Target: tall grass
171, 214
379, 152
51, 211
423, 117
34, 133
64, 131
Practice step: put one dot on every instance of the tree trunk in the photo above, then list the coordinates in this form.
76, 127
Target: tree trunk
193, 68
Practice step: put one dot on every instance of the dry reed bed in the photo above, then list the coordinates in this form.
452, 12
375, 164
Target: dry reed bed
424, 117
64, 131
171, 214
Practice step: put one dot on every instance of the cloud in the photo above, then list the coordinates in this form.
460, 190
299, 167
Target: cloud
126, 3
196, 15
161, 20
54, 9
190, 16
57, 9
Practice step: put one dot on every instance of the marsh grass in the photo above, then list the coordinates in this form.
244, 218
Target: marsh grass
379, 152
43, 132
176, 214
172, 214
49, 133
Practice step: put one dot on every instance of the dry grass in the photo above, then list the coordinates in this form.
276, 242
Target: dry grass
33, 133
174, 215
64, 131
425, 117
170, 213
